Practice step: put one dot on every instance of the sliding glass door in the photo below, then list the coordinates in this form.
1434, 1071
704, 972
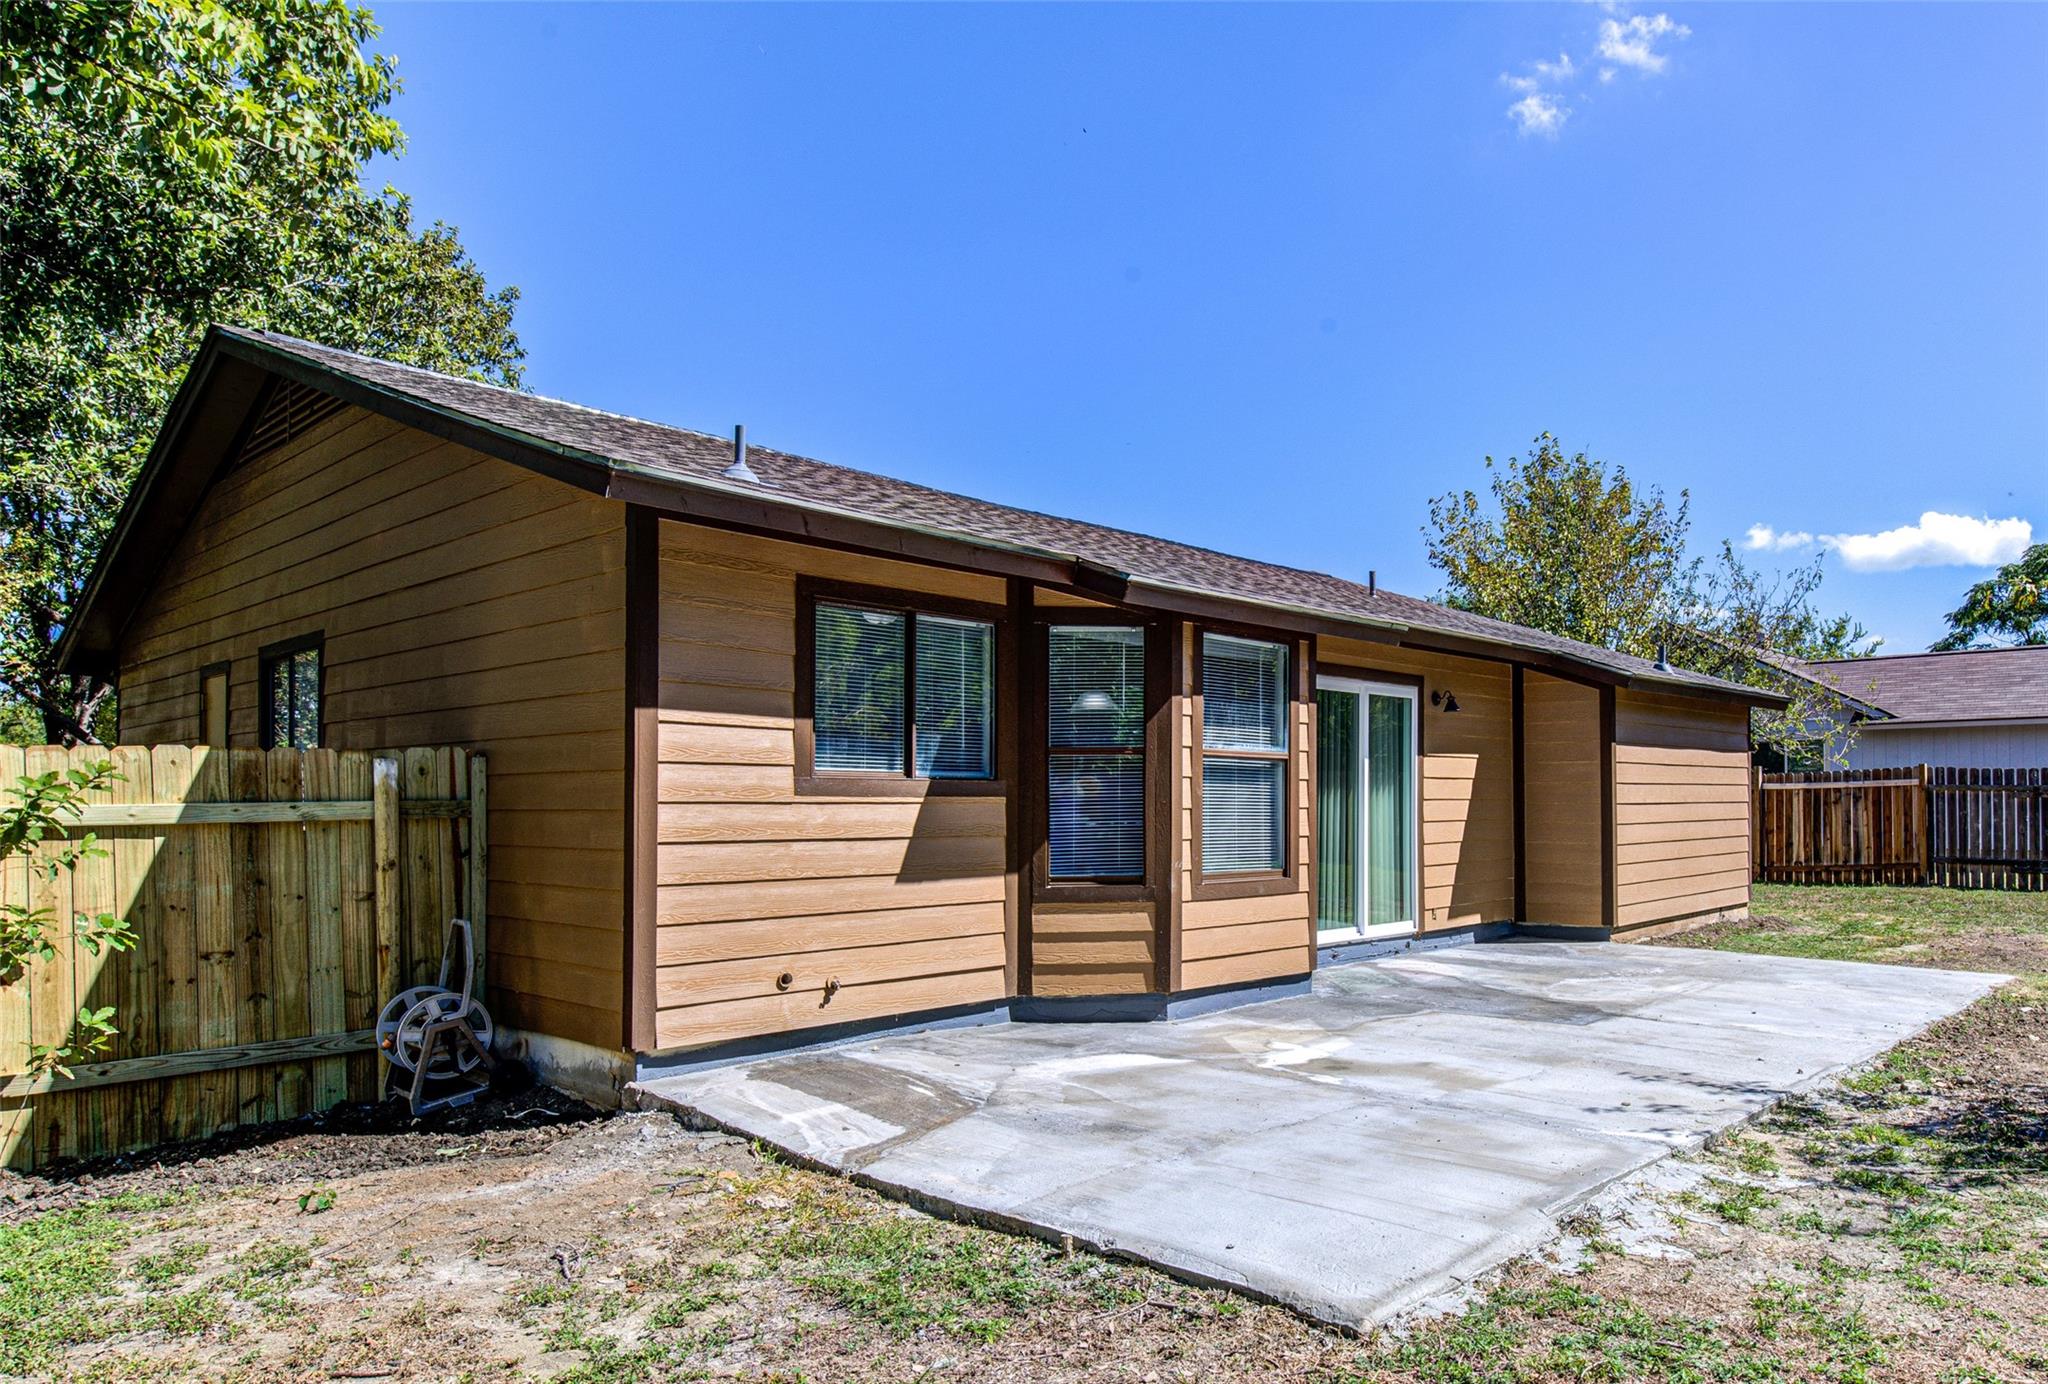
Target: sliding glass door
1365, 809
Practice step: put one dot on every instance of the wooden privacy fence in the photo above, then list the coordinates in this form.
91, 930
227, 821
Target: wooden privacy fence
1961, 828
277, 898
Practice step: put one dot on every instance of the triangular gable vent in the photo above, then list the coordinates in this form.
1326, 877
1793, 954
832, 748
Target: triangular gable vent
289, 412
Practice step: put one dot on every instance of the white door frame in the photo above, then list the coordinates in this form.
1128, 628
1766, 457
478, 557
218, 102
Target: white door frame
1365, 688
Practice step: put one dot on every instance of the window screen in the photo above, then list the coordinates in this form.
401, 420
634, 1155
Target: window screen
1095, 752
1245, 709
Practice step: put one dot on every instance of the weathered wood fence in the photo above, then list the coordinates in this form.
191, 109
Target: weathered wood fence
1959, 828
277, 898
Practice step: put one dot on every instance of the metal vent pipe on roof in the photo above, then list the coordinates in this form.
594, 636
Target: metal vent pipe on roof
739, 470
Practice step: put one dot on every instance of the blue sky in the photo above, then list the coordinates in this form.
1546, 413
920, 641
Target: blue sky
1267, 278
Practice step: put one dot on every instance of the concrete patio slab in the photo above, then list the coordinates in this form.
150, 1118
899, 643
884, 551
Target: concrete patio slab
1352, 1153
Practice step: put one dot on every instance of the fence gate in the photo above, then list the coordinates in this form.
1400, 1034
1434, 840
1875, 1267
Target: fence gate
276, 896
1961, 828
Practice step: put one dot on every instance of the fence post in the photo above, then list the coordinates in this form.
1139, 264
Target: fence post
1926, 801
479, 868
387, 844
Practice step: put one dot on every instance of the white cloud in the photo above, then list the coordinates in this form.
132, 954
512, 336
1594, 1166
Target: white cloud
1632, 42
1763, 536
1937, 540
1539, 113
1560, 71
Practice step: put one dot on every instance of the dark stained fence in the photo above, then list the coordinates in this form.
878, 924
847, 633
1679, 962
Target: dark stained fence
1990, 828
1959, 828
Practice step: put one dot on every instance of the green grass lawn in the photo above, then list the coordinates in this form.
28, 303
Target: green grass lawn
1971, 930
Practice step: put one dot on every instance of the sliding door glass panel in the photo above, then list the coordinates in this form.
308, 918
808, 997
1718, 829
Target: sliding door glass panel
1390, 846
1337, 833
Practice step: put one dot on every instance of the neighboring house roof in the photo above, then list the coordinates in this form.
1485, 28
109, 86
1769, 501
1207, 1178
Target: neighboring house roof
682, 472
1965, 685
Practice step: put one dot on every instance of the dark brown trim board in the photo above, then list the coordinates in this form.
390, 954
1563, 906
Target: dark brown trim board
1607, 880
1010, 760
643, 776
1249, 884
1162, 824
1516, 736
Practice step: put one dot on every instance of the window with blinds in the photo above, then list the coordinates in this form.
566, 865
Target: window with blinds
1095, 752
901, 692
1244, 755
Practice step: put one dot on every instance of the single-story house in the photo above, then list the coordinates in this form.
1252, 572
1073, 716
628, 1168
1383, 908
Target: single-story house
780, 749
1967, 709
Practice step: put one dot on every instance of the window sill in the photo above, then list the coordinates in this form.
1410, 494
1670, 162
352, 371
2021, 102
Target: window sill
896, 786
1089, 891
1247, 886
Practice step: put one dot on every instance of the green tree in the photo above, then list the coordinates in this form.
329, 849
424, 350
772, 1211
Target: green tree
2010, 608
1573, 549
165, 164
1568, 549
1735, 622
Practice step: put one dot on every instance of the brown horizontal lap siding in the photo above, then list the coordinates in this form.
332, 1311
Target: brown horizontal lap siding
1236, 941
1468, 784
900, 900
463, 601
1681, 810
1562, 762
1093, 949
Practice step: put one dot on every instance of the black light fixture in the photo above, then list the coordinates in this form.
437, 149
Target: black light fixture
1447, 700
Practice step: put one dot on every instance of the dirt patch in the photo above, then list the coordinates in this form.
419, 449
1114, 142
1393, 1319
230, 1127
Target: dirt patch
346, 1141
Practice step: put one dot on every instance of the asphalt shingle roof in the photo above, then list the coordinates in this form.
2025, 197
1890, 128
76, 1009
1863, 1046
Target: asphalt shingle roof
658, 451
1969, 685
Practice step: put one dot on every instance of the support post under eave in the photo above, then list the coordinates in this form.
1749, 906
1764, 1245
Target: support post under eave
1607, 879
1521, 835
642, 775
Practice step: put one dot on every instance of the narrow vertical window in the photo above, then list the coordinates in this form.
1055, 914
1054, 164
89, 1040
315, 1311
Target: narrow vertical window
289, 685
1095, 752
1244, 755
901, 692
213, 705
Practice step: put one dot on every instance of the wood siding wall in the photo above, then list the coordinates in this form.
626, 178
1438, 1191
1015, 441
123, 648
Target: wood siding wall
463, 601
1563, 760
901, 900
1094, 949
1236, 941
1681, 810
1468, 778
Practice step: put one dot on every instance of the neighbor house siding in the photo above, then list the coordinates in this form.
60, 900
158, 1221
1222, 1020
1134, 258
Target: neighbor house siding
462, 601
1882, 746
1562, 765
902, 901
1468, 778
1233, 941
1681, 810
